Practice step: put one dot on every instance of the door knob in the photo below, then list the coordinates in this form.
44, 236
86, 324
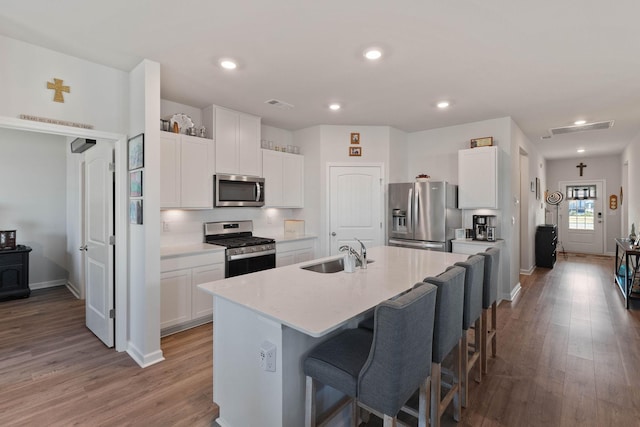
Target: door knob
333, 234
83, 248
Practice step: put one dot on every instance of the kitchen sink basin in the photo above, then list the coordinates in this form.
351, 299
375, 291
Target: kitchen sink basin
333, 266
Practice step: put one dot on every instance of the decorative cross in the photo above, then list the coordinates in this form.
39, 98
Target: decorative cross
59, 88
581, 166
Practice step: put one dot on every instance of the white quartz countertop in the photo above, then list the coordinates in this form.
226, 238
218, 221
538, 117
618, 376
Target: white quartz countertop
315, 303
191, 249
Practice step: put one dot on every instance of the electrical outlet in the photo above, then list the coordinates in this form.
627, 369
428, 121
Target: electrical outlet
267, 356
165, 226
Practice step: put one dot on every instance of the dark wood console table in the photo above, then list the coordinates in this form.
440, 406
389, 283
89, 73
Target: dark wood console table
14, 272
626, 272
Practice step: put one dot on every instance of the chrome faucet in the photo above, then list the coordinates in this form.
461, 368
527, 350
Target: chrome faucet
363, 254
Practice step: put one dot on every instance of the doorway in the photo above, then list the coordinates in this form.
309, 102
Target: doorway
119, 222
581, 219
355, 196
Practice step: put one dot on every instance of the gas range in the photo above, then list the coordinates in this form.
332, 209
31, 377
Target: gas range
245, 252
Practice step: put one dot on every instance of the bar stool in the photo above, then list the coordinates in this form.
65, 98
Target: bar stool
489, 302
471, 315
378, 371
447, 336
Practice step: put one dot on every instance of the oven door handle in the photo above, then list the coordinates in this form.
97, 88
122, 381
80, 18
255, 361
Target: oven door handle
251, 255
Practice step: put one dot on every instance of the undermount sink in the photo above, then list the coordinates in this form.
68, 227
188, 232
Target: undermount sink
333, 266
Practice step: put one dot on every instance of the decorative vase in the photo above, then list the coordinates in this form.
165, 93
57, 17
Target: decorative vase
632, 236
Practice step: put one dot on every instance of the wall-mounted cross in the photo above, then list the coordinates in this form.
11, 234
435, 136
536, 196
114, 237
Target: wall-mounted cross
581, 166
59, 88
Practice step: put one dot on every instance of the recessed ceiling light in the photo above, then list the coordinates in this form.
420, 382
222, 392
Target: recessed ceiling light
443, 104
228, 64
580, 150
579, 122
372, 54
334, 107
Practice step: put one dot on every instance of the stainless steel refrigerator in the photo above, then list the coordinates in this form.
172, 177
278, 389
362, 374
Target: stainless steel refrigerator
423, 215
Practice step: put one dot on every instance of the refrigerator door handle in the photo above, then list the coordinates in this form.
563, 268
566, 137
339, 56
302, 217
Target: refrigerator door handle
416, 207
410, 211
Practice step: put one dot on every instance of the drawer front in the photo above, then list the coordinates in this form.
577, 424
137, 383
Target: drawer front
190, 261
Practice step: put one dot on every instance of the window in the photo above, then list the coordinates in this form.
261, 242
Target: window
581, 214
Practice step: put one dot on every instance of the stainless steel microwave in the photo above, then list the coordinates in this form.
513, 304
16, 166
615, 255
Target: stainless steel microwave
238, 190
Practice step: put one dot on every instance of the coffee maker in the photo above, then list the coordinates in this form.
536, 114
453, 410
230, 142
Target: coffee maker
484, 227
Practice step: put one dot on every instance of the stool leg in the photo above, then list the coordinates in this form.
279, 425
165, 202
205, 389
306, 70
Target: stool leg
389, 421
424, 403
483, 340
464, 377
355, 419
494, 324
478, 345
436, 378
310, 403
457, 367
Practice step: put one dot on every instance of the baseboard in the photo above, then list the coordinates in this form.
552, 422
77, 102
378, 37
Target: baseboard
49, 284
528, 272
610, 253
515, 291
73, 290
184, 326
144, 360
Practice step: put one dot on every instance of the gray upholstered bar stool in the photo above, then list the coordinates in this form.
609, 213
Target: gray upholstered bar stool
471, 315
378, 371
447, 336
489, 302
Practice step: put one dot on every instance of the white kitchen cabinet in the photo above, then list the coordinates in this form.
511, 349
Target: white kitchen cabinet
186, 171
294, 251
182, 304
478, 178
237, 142
284, 179
472, 247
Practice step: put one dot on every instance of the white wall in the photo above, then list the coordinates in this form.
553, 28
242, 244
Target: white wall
631, 195
398, 155
98, 94
605, 168
33, 201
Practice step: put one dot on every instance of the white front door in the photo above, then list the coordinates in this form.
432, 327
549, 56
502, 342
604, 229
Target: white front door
99, 271
355, 205
581, 218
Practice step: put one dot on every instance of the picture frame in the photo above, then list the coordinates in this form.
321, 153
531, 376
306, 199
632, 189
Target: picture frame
355, 138
355, 151
136, 152
135, 183
537, 188
135, 211
486, 141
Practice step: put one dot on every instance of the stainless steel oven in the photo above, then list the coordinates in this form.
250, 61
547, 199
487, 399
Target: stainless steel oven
238, 190
245, 252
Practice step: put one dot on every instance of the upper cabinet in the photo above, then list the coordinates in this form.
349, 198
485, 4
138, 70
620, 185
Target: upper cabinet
237, 141
284, 179
186, 171
478, 178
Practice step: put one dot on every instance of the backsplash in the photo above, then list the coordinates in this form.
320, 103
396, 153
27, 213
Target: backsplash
184, 227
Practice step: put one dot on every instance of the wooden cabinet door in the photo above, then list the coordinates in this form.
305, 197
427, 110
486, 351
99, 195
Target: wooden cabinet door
226, 141
478, 178
293, 181
304, 255
175, 297
202, 302
249, 158
169, 170
285, 258
273, 175
196, 181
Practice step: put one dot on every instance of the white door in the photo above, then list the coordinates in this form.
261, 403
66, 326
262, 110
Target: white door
99, 271
355, 205
581, 218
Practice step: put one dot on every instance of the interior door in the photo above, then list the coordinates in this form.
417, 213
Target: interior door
98, 252
581, 218
355, 195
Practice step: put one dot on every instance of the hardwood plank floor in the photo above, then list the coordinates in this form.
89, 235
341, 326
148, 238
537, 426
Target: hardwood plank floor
568, 354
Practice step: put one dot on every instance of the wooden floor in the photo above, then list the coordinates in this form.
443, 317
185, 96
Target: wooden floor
568, 354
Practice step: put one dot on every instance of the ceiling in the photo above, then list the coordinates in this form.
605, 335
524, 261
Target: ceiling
545, 63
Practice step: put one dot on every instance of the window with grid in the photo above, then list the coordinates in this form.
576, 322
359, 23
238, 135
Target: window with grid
581, 207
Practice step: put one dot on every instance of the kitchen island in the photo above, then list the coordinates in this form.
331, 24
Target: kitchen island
293, 310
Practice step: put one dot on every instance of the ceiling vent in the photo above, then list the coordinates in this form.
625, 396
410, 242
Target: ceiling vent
582, 128
280, 104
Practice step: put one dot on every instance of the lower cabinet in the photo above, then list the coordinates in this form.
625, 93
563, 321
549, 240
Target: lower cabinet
293, 252
472, 247
182, 304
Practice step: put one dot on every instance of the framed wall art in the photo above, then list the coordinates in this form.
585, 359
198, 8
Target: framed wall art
355, 138
136, 152
135, 211
355, 151
135, 183
487, 141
